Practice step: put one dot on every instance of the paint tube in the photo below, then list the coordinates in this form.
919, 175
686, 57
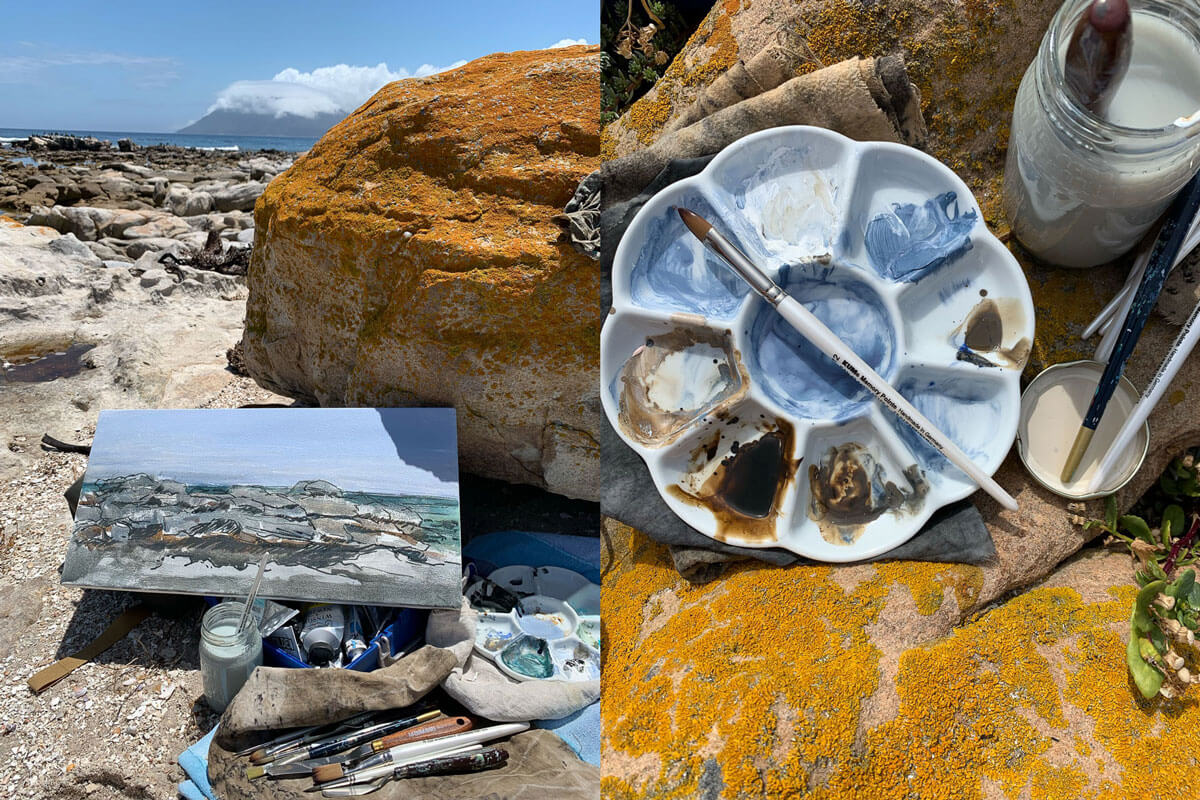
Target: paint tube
322, 633
285, 639
354, 644
274, 616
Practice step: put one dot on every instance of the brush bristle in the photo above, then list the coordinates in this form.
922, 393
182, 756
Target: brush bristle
329, 772
695, 223
259, 756
253, 773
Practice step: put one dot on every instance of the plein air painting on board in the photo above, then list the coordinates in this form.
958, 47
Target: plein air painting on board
353, 505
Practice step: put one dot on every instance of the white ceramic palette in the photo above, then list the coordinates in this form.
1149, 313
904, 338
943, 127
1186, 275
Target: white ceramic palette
751, 435
554, 631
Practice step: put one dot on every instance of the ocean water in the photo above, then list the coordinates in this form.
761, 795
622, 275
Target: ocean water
290, 144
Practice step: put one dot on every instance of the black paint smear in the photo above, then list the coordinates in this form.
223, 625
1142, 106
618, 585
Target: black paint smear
750, 476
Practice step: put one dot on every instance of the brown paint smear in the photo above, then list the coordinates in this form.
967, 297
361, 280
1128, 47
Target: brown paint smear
843, 499
641, 417
983, 332
746, 490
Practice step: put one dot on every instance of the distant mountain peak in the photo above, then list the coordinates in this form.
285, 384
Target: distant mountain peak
224, 122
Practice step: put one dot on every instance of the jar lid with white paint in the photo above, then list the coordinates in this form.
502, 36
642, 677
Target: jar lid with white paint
1052, 409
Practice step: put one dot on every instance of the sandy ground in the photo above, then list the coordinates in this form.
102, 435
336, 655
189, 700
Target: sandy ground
115, 726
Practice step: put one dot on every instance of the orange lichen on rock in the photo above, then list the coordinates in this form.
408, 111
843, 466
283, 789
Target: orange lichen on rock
927, 581
412, 257
754, 687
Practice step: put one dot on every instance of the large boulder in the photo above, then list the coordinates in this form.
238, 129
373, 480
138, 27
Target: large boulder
238, 197
411, 258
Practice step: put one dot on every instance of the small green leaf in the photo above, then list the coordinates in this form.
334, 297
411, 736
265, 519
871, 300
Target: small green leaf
1147, 678
1137, 526
1183, 585
1110, 512
1158, 639
1141, 620
1194, 596
1156, 571
1173, 514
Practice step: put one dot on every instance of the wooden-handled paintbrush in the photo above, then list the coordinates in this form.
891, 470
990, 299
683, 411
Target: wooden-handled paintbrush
825, 340
1098, 53
384, 763
444, 765
436, 729
266, 751
287, 765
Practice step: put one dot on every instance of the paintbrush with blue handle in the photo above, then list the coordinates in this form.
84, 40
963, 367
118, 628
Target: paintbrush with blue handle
1170, 239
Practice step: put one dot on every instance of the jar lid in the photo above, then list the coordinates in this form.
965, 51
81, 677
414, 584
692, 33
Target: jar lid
1052, 409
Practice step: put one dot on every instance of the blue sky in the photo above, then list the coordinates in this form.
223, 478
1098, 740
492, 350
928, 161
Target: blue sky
389, 451
157, 66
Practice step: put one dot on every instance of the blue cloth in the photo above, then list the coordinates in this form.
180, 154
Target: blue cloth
194, 761
495, 550
581, 730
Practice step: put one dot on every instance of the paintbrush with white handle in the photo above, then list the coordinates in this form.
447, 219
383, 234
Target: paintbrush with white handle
1181, 348
807, 324
383, 764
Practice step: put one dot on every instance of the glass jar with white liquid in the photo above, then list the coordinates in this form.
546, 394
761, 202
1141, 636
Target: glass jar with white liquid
1081, 189
227, 655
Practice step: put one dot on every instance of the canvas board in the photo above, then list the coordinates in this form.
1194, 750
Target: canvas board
353, 505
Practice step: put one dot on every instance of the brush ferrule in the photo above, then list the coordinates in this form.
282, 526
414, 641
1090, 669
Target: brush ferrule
744, 267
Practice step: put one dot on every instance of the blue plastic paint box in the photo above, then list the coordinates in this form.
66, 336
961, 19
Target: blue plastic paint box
407, 626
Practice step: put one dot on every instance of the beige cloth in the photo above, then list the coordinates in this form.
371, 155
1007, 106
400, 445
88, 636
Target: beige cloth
866, 99
770, 67
483, 689
274, 698
540, 764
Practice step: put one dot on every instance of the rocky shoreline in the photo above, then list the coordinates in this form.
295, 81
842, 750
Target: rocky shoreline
120, 205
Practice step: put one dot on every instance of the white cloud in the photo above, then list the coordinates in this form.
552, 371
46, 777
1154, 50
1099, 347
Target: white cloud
326, 90
567, 43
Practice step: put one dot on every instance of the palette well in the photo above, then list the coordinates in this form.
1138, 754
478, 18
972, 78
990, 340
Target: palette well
753, 436
552, 631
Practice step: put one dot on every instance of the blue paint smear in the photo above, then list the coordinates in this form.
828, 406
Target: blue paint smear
910, 241
798, 376
967, 411
667, 276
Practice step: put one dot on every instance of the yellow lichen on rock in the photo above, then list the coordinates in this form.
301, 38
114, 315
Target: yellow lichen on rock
756, 687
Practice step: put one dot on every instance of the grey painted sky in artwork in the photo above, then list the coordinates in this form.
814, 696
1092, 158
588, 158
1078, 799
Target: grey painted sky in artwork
389, 451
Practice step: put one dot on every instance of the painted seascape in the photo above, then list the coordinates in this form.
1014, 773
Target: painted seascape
353, 505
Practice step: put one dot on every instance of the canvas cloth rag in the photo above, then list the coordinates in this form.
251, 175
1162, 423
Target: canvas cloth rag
483, 689
865, 99
540, 764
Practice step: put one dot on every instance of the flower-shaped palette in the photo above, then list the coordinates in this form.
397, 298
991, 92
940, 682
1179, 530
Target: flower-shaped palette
553, 630
753, 436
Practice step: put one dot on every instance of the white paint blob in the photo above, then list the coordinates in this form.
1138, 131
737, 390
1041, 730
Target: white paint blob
1052, 410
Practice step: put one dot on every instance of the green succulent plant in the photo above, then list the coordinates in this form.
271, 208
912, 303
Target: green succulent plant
638, 41
1162, 651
